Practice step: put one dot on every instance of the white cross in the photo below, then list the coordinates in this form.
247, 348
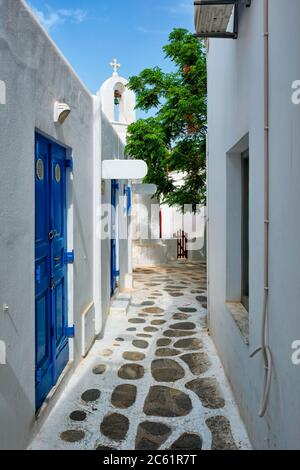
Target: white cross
116, 66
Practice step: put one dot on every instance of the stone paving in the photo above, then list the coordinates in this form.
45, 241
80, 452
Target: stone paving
154, 381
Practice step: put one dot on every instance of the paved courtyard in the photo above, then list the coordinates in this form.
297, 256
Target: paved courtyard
154, 381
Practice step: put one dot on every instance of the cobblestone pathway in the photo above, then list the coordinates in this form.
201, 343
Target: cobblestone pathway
154, 381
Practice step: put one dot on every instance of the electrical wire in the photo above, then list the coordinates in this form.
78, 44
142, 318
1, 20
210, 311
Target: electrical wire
265, 348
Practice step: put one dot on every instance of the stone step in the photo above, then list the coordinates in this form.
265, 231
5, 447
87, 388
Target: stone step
119, 308
124, 296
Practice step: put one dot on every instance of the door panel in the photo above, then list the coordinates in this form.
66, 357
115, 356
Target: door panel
42, 272
58, 247
50, 287
42, 329
113, 254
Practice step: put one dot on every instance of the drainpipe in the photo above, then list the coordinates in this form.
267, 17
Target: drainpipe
265, 348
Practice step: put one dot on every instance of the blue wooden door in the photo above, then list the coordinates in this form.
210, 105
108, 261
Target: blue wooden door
43, 320
113, 251
52, 349
58, 248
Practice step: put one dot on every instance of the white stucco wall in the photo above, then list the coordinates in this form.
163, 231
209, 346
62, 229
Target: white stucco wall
147, 248
235, 109
36, 75
112, 147
114, 135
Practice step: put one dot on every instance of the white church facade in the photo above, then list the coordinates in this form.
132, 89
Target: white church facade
58, 274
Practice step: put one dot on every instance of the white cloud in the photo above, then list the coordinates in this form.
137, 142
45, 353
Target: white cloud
76, 15
180, 8
52, 18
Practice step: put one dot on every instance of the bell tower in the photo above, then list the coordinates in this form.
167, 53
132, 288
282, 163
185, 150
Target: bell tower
118, 102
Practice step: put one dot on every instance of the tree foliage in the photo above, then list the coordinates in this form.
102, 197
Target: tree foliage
174, 139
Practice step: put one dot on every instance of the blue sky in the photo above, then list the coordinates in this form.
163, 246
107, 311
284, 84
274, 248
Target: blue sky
91, 33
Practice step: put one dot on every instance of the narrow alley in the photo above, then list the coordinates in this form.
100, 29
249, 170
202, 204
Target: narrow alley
149, 240
154, 381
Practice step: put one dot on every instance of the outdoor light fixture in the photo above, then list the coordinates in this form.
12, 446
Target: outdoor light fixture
61, 112
212, 18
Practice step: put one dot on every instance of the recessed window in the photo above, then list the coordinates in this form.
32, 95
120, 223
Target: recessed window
237, 223
245, 228
237, 235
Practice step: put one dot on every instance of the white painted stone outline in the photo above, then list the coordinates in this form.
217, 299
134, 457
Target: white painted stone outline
194, 422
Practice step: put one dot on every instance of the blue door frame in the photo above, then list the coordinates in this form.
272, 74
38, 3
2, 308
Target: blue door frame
51, 258
113, 250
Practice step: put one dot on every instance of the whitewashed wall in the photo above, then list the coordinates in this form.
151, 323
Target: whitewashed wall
112, 147
114, 136
235, 102
35, 75
148, 248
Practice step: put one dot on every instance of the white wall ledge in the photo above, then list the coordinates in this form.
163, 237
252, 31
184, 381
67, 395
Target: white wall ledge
241, 319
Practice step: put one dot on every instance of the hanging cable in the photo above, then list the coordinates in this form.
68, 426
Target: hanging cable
265, 348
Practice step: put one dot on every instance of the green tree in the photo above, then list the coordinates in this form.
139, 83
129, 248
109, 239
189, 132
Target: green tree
174, 140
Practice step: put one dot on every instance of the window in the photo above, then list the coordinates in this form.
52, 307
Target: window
245, 229
237, 223
237, 235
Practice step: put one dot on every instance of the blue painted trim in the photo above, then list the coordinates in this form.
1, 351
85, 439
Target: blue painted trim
69, 257
70, 331
127, 191
70, 164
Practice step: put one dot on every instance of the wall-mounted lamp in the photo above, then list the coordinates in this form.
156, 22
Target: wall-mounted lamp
61, 112
212, 17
